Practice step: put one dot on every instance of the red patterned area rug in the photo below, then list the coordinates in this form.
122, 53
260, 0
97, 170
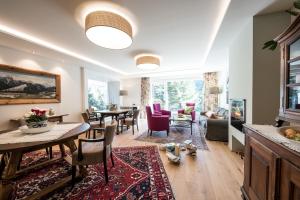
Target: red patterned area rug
138, 174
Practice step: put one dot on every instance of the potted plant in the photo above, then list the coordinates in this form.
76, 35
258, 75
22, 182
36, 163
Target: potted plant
36, 118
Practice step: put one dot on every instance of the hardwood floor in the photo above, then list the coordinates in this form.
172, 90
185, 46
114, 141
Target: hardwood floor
216, 174
213, 174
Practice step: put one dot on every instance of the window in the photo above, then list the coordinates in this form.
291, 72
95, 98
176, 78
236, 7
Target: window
173, 94
97, 94
158, 94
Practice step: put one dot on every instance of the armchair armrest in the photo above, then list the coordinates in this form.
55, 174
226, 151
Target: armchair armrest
157, 113
166, 112
80, 156
193, 114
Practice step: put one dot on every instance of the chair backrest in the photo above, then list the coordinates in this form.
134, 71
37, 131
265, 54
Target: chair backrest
136, 114
88, 112
110, 131
149, 113
85, 117
156, 107
191, 105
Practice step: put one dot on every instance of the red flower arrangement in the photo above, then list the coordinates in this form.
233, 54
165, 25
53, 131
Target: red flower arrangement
36, 115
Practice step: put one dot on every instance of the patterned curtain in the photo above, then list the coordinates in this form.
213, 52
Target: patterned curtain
145, 96
210, 100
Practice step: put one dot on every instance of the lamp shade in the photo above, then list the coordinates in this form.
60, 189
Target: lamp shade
147, 62
123, 92
215, 90
108, 30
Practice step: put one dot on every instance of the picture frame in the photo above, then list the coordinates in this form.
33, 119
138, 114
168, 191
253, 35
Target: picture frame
26, 86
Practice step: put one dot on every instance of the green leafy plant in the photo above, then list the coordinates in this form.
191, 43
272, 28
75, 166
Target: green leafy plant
272, 44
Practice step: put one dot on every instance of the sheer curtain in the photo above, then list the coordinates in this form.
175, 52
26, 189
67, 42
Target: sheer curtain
145, 96
210, 100
113, 92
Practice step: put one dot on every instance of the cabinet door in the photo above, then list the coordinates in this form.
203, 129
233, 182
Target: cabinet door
260, 171
290, 181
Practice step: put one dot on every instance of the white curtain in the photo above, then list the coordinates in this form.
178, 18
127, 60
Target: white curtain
145, 96
113, 92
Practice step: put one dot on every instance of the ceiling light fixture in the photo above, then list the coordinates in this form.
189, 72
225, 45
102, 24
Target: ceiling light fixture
108, 30
147, 62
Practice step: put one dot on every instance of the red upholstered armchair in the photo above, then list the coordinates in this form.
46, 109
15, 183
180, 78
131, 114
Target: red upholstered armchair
157, 110
157, 122
193, 113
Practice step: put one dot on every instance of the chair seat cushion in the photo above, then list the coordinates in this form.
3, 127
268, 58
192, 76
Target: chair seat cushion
128, 121
92, 153
95, 124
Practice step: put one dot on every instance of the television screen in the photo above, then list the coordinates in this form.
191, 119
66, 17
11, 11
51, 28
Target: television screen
238, 113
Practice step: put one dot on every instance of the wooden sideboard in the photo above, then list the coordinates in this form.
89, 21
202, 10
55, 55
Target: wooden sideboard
271, 170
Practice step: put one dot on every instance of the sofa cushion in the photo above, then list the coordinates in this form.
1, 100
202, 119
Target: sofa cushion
221, 112
225, 115
210, 114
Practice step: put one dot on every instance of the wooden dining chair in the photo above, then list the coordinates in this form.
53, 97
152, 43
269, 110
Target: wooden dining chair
92, 116
95, 125
131, 121
94, 151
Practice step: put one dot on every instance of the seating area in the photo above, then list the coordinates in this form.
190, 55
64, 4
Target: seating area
162, 100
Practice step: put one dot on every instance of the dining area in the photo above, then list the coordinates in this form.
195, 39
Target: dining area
125, 117
77, 144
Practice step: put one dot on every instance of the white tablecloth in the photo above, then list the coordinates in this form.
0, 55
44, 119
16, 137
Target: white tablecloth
17, 136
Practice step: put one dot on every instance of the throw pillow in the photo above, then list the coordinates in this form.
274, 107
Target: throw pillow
188, 110
209, 114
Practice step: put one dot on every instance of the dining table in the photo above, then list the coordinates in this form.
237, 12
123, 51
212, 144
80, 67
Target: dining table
115, 114
14, 143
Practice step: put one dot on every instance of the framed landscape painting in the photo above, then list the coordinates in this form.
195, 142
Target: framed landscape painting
23, 86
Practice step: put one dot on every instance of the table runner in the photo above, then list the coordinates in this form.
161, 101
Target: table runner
17, 136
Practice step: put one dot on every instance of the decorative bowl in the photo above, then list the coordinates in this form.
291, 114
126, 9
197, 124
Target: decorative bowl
40, 124
26, 130
282, 131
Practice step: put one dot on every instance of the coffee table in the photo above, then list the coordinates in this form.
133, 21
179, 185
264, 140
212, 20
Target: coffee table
183, 121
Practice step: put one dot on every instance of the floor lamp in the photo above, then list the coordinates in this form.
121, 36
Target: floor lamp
122, 94
216, 90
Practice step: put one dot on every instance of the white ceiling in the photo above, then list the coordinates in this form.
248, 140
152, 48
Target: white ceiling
188, 35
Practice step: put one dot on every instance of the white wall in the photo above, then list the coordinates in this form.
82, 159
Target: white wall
71, 101
133, 86
240, 75
73, 84
254, 73
266, 67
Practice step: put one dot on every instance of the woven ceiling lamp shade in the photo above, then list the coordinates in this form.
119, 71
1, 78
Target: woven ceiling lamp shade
148, 62
109, 30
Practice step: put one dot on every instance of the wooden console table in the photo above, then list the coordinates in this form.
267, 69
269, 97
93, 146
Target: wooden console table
271, 168
11, 155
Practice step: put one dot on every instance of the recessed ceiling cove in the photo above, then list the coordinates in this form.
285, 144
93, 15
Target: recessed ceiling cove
181, 32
